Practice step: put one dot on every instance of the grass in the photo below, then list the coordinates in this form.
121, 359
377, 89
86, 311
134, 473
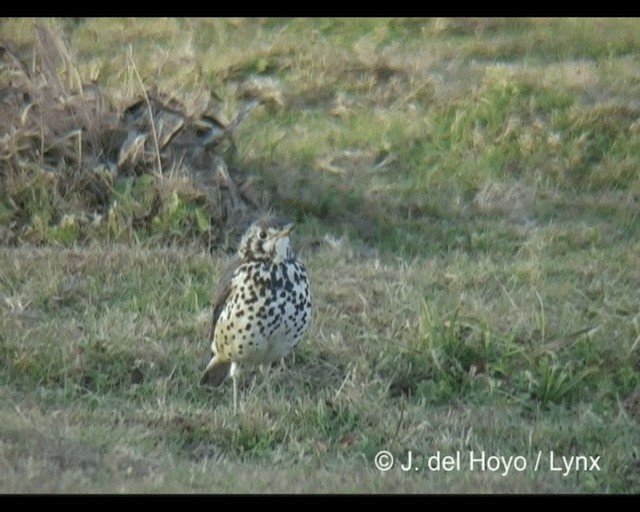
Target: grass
466, 193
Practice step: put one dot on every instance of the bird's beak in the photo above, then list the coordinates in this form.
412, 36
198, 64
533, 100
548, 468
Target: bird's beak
285, 230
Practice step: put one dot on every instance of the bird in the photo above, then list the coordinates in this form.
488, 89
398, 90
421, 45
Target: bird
262, 306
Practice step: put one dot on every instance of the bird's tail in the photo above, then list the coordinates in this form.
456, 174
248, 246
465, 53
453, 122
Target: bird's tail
215, 372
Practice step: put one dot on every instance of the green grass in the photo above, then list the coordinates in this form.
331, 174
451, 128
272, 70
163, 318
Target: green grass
106, 345
466, 193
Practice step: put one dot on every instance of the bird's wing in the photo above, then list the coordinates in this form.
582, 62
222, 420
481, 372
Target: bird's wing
222, 293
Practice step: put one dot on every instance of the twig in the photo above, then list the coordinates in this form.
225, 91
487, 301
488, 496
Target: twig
395, 434
146, 99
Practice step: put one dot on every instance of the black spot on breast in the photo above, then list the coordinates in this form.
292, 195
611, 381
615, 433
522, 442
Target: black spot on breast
275, 321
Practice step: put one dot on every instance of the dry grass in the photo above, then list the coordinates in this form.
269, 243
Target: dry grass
102, 349
69, 149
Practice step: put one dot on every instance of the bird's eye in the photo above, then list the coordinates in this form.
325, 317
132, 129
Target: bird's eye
262, 235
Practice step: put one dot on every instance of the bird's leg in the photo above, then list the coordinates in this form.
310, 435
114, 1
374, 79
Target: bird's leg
283, 362
265, 372
235, 395
234, 378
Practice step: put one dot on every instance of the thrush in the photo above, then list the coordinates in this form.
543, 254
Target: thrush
262, 306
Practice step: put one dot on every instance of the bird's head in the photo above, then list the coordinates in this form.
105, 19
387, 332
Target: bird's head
267, 239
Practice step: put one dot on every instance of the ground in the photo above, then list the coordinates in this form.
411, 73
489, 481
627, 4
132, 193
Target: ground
466, 198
